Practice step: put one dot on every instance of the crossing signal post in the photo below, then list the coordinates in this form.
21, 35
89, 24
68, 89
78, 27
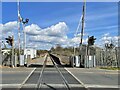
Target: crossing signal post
91, 41
24, 22
10, 41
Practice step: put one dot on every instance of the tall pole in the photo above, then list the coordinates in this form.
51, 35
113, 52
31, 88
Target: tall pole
74, 50
24, 41
82, 29
88, 52
24, 44
24, 37
19, 20
83, 22
12, 59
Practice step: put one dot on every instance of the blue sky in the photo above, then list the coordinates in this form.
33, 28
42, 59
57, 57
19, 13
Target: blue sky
101, 19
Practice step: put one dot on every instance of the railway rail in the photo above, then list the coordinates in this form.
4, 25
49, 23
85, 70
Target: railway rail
48, 77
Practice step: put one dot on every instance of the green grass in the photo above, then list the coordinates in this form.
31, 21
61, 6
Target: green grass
110, 68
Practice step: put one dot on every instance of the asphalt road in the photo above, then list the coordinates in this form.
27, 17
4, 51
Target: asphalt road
77, 78
94, 78
91, 79
51, 79
14, 77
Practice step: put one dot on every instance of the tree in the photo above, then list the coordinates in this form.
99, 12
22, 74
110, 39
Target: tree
52, 49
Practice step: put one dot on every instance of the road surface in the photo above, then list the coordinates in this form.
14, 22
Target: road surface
77, 78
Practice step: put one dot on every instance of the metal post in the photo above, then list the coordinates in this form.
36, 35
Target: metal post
12, 59
19, 20
74, 50
83, 22
82, 29
88, 53
88, 56
106, 57
116, 54
24, 44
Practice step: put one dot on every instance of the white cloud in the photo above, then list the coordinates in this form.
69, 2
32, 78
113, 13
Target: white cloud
50, 36
1, 25
42, 38
39, 45
55, 34
106, 38
49, 39
106, 34
8, 27
33, 29
58, 30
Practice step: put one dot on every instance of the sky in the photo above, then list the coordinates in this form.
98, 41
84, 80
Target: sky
52, 23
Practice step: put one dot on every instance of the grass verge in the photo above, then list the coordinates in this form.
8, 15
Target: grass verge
110, 68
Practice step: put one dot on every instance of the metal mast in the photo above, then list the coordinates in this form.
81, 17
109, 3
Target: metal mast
19, 20
83, 24
24, 44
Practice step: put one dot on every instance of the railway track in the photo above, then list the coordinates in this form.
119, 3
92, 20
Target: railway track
51, 78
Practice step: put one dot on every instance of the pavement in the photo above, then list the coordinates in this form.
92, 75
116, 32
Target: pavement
96, 78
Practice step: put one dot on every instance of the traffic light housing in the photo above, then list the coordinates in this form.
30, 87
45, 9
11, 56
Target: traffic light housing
91, 40
9, 40
25, 21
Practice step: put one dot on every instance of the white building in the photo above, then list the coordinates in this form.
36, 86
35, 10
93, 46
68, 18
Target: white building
32, 53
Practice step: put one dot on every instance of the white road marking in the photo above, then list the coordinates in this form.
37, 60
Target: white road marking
87, 86
101, 86
60, 85
10, 85
77, 79
57, 85
27, 78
